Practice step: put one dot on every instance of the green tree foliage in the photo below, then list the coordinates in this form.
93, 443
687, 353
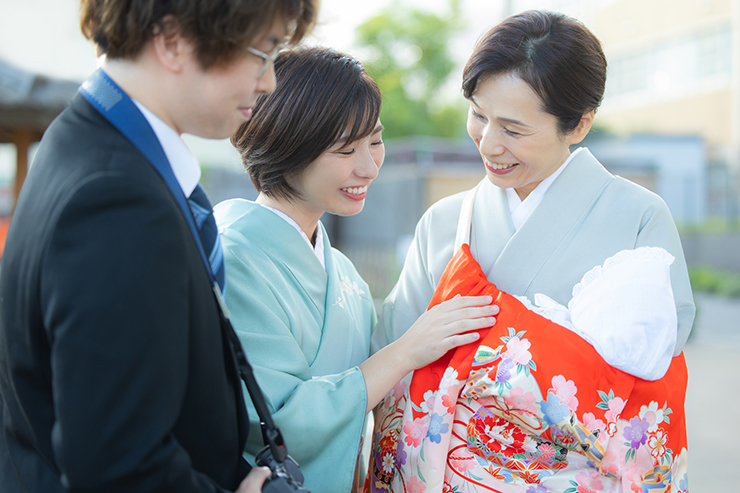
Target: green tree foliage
409, 58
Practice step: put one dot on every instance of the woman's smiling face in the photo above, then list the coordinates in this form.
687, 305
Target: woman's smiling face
519, 142
338, 180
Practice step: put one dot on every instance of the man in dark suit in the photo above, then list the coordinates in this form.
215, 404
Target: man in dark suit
116, 371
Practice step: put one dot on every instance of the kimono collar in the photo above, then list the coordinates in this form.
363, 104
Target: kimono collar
318, 249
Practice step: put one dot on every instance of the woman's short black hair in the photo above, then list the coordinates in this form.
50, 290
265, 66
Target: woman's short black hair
556, 55
321, 96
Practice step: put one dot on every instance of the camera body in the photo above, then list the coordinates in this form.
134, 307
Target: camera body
286, 476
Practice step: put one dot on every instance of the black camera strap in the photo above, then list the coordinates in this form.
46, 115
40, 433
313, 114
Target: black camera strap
270, 432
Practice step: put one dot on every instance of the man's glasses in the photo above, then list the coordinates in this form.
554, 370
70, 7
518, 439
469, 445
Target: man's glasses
267, 60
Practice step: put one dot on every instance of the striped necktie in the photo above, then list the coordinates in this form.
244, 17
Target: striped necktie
203, 215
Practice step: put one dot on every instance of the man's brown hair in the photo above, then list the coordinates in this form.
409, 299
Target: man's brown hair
220, 29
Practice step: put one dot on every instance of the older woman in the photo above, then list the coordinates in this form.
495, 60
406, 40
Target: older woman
303, 313
542, 218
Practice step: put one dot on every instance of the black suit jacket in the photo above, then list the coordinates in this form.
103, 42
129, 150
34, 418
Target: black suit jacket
115, 370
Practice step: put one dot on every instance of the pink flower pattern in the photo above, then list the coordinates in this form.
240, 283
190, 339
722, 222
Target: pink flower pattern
566, 390
588, 482
450, 399
414, 485
415, 432
518, 400
616, 406
517, 350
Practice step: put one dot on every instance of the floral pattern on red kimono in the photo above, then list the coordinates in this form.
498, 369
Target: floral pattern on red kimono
531, 407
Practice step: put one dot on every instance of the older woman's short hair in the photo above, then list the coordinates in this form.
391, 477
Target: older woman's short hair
556, 55
322, 96
220, 30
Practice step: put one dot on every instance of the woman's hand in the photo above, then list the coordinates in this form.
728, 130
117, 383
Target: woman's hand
253, 482
444, 327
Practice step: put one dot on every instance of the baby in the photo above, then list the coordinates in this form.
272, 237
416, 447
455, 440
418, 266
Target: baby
624, 309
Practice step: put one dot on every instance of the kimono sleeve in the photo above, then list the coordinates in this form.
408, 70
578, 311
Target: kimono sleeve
658, 229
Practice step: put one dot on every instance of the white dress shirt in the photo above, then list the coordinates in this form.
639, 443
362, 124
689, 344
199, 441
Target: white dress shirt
182, 161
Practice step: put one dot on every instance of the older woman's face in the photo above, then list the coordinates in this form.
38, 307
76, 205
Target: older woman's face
519, 142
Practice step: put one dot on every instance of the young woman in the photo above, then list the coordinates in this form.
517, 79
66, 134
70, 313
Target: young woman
536, 402
303, 313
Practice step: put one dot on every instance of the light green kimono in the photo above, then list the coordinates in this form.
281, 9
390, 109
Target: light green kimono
305, 330
586, 216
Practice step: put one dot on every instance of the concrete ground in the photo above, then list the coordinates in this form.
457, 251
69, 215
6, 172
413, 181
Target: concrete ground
713, 397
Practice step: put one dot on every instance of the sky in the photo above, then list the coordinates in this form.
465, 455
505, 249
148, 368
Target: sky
43, 36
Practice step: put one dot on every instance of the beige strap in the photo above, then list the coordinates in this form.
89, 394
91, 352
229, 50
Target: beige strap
465, 223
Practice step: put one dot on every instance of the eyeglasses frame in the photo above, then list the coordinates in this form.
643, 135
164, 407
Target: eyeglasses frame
267, 59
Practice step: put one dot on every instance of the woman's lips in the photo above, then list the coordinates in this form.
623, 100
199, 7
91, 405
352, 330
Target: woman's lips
247, 112
500, 171
355, 193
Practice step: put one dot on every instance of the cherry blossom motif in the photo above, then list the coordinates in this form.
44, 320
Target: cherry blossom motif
394, 396
566, 390
635, 432
610, 464
437, 428
554, 410
350, 286
414, 485
503, 373
427, 405
517, 350
415, 432
518, 400
657, 443
653, 414
588, 482
632, 477
450, 399
400, 455
592, 424
449, 379
616, 406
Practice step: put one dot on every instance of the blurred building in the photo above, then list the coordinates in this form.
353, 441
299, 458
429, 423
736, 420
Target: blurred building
28, 104
674, 70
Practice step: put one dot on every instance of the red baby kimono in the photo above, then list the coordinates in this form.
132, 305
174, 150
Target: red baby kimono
530, 407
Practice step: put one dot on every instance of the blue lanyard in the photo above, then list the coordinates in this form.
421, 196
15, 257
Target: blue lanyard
118, 108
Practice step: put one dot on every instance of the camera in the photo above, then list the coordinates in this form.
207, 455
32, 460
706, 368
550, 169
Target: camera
286, 476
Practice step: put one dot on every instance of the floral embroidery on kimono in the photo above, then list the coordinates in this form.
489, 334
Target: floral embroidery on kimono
532, 408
